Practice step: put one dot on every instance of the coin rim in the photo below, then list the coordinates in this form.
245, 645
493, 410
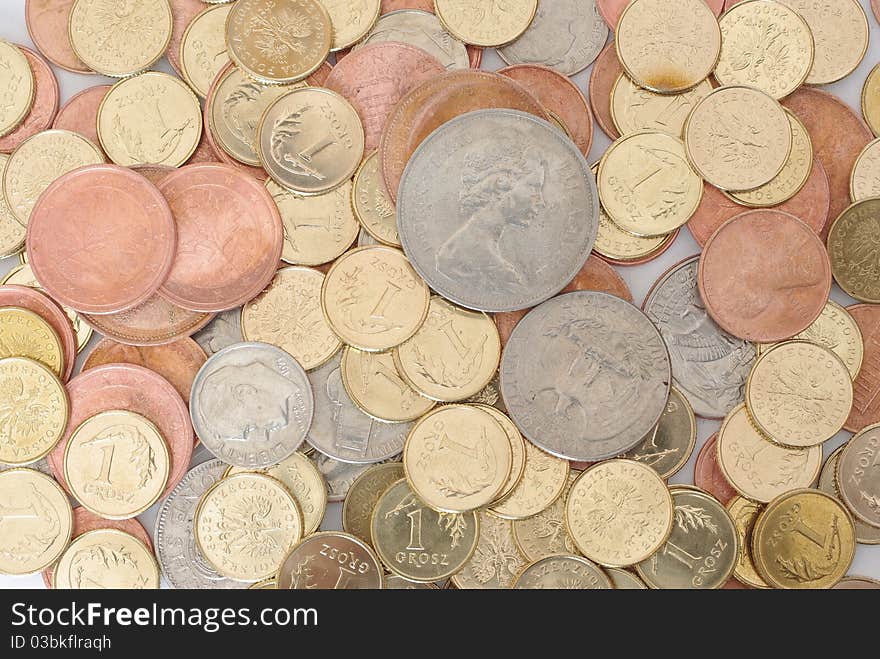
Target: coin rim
337, 534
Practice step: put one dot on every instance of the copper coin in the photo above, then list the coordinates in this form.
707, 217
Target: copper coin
45, 105
204, 150
606, 69
612, 9
182, 14
133, 388
153, 173
596, 275
437, 101
838, 135
34, 300
561, 98
810, 205
374, 79
101, 239
866, 387
708, 475
393, 5
229, 237
80, 113
764, 276
47, 23
875, 7
666, 244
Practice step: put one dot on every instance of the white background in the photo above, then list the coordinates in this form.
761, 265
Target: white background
639, 278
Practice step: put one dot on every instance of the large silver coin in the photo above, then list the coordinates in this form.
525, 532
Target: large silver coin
341, 431
180, 559
497, 210
709, 366
423, 30
223, 331
251, 405
585, 376
340, 475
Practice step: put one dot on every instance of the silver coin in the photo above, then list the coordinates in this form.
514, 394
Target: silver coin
565, 35
709, 366
340, 430
497, 210
251, 405
41, 465
174, 538
423, 30
223, 331
340, 475
365, 239
585, 376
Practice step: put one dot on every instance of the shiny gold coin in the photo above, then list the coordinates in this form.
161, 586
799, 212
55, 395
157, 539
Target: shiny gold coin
865, 533
757, 468
543, 480
278, 41
153, 118
22, 257
418, 543
203, 48
619, 513
33, 410
563, 572
38, 161
486, 23
288, 314
24, 333
765, 45
330, 560
871, 101
17, 81
36, 518
744, 514
107, 559
372, 381
116, 464
858, 475
738, 138
864, 182
12, 232
457, 458
265, 584
351, 20
373, 207
246, 524
489, 395
364, 493
635, 108
373, 298
517, 448
545, 534
497, 560
803, 539
668, 46
854, 264
624, 579
394, 582
119, 41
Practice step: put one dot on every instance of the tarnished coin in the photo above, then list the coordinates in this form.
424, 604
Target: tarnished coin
563, 572
107, 559
351, 20
221, 332
364, 494
871, 100
744, 513
865, 533
27, 334
485, 22
12, 232
852, 248
708, 475
545, 533
330, 560
374, 383
635, 108
865, 179
203, 49
603, 75
866, 387
251, 405
80, 113
341, 475
858, 475
17, 79
372, 204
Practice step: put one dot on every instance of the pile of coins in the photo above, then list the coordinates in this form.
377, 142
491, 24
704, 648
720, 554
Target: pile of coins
354, 268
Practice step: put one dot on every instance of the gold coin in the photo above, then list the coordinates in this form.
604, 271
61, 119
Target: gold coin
116, 464
757, 468
624, 579
17, 81
278, 41
120, 40
288, 314
22, 255
12, 232
457, 458
153, 118
489, 395
634, 108
330, 560
36, 518
858, 475
865, 533
864, 182
744, 514
765, 45
33, 410
545, 534
373, 207
486, 23
203, 48
840, 33
803, 539
738, 138
265, 584
668, 46
794, 174
373, 298
497, 560
418, 543
38, 161
544, 479
364, 493
24, 333
351, 20
246, 524
854, 266
317, 228
563, 572
871, 101
517, 448
394, 582
107, 559
374, 384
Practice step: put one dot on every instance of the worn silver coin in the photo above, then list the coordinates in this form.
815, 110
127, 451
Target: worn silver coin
223, 331
585, 376
423, 30
251, 405
709, 366
365, 239
497, 210
340, 475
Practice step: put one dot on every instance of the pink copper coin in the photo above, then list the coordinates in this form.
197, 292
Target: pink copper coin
733, 584
612, 9
45, 105
182, 14
101, 239
764, 276
810, 205
374, 79
80, 113
560, 97
866, 387
229, 237
393, 5
708, 475
875, 7
153, 173
204, 151
34, 300
47, 23
603, 75
139, 390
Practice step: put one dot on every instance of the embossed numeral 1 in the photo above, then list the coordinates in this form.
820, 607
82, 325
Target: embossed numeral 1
808, 532
345, 576
458, 447
391, 290
106, 463
415, 530
680, 555
392, 377
454, 339
316, 148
